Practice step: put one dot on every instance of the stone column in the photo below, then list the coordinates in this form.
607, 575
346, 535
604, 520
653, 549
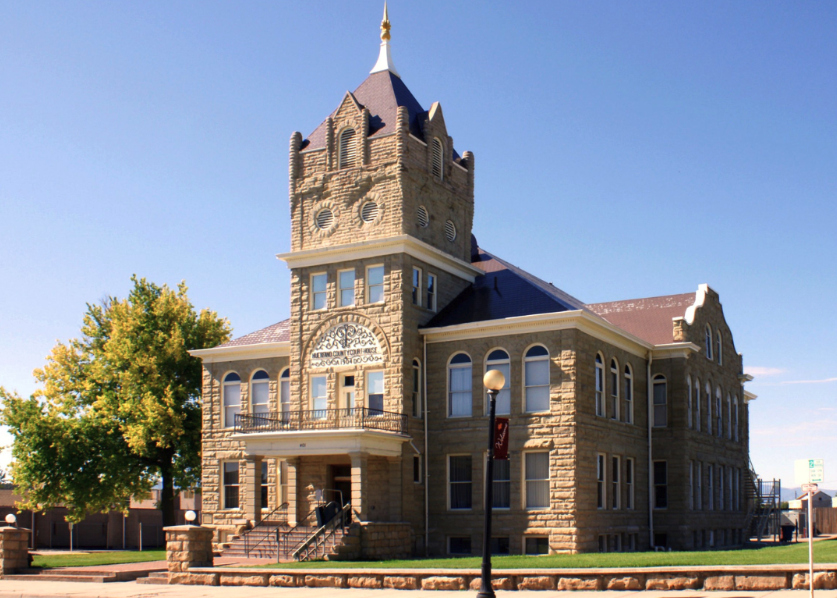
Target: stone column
188, 546
291, 484
360, 489
14, 549
253, 489
395, 485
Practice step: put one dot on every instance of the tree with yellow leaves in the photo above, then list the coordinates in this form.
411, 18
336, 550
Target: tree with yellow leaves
119, 408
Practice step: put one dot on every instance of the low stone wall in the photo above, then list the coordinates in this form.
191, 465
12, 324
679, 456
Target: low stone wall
14, 550
188, 546
726, 578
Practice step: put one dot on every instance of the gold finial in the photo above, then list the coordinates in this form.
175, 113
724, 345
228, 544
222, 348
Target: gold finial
385, 26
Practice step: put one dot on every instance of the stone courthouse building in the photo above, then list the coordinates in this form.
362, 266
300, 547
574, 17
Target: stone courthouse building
628, 419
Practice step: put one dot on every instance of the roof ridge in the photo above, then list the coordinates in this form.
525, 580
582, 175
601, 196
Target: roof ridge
692, 293
545, 287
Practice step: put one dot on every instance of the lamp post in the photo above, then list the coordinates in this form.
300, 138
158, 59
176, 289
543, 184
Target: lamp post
493, 382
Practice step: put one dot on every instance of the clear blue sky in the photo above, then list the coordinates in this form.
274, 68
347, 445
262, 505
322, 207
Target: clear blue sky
623, 149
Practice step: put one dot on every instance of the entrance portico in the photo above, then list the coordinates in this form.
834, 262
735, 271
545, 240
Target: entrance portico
367, 462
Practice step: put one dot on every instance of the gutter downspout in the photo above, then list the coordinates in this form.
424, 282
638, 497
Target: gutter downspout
649, 393
426, 459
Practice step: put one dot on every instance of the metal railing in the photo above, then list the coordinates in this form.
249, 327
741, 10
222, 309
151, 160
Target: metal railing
319, 538
276, 516
321, 419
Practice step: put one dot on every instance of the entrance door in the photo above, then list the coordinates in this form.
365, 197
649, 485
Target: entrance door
342, 476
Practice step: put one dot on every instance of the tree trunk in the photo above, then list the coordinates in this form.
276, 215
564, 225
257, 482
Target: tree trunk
167, 505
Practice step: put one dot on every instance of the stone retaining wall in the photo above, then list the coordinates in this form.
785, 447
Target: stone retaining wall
14, 550
726, 578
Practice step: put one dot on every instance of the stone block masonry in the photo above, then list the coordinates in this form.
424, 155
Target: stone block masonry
187, 547
749, 578
14, 550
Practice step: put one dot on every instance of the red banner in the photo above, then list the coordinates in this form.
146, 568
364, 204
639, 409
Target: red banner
501, 438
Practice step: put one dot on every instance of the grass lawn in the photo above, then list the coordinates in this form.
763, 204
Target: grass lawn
824, 552
96, 558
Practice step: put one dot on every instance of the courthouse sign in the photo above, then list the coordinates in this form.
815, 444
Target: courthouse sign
346, 344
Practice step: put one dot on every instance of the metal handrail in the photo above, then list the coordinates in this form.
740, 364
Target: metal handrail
322, 534
321, 419
247, 548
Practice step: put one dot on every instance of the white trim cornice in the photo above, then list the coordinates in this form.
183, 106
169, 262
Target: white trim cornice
380, 247
582, 320
300, 443
241, 352
675, 350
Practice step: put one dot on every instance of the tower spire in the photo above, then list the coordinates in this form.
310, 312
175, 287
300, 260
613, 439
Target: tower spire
384, 56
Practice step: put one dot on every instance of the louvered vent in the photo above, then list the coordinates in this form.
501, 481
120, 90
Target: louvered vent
423, 217
348, 153
436, 165
325, 219
369, 211
450, 230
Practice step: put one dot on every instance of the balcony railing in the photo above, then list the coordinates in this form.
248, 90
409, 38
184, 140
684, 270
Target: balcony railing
321, 419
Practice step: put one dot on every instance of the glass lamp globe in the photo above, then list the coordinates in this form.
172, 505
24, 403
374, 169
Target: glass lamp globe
494, 380
191, 516
10, 519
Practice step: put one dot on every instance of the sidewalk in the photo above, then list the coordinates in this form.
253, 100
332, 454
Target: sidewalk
46, 589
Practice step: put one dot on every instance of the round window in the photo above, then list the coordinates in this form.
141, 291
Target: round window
423, 217
369, 211
324, 219
450, 230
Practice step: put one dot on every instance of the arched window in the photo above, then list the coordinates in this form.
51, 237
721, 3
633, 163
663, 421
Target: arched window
285, 394
614, 389
729, 418
347, 152
459, 385
259, 392
708, 342
536, 379
660, 402
719, 413
708, 393
498, 359
628, 395
735, 419
416, 385
696, 404
232, 398
719, 350
689, 402
599, 385
436, 159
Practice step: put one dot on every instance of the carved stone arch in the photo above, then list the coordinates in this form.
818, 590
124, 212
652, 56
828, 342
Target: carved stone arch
352, 318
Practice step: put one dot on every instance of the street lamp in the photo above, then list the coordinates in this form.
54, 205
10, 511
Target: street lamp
494, 381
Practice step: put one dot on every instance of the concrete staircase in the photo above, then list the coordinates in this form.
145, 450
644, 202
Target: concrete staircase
261, 542
156, 578
90, 575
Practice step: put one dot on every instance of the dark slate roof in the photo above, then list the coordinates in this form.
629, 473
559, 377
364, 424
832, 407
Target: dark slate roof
381, 93
276, 333
648, 318
504, 291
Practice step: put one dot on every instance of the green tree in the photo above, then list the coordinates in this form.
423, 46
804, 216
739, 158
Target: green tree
118, 409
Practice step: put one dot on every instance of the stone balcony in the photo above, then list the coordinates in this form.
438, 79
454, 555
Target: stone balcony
357, 418
322, 432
